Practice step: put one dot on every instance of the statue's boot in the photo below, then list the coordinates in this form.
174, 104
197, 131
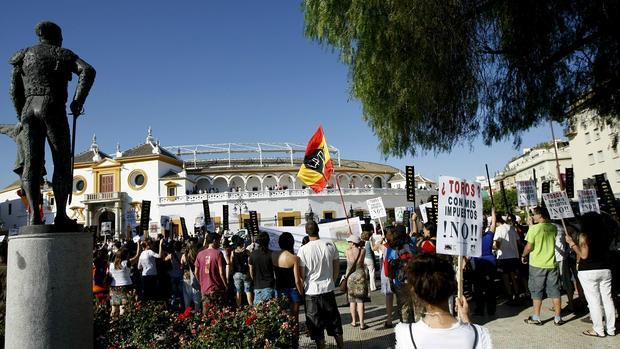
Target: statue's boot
33, 194
61, 204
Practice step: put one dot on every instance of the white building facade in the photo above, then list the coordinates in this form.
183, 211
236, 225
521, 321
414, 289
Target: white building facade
594, 147
108, 190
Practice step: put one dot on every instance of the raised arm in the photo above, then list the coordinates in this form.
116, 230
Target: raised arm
493, 223
414, 224
135, 258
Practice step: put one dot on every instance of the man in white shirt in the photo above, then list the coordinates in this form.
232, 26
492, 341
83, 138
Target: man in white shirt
321, 266
506, 242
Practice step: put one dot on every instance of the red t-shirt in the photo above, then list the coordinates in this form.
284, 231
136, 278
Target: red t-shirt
208, 262
428, 246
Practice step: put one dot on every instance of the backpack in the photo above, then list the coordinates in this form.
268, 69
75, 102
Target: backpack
397, 265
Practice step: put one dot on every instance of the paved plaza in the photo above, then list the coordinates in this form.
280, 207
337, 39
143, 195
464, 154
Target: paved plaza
507, 329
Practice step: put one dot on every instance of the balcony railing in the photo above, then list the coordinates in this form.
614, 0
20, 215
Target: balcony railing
110, 196
281, 194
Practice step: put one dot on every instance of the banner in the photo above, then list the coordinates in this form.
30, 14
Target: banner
425, 209
225, 218
205, 211
407, 218
376, 208
526, 193
317, 166
434, 214
130, 218
410, 183
558, 205
460, 217
253, 222
184, 228
106, 228
588, 201
145, 216
608, 201
154, 229
570, 182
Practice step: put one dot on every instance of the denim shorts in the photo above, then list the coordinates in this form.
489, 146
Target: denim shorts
544, 279
263, 294
242, 282
290, 293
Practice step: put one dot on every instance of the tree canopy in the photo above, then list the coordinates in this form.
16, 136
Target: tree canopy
431, 74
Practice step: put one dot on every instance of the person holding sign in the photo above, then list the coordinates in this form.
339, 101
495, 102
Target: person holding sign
543, 272
594, 272
485, 269
433, 282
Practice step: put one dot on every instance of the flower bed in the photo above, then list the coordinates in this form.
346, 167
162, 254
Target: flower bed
150, 325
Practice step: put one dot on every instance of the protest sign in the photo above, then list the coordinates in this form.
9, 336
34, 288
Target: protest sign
424, 210
130, 218
433, 216
570, 182
154, 229
184, 228
558, 205
460, 217
588, 201
136, 238
399, 214
604, 191
145, 216
376, 208
526, 193
2, 237
254, 222
106, 228
410, 183
205, 212
225, 218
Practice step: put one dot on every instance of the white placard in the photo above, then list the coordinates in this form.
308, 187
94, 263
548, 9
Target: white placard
154, 229
106, 228
459, 231
2, 237
588, 201
526, 193
423, 211
136, 238
376, 208
399, 214
558, 205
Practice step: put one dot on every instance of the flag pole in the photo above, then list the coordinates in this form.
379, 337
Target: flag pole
343, 205
489, 181
557, 166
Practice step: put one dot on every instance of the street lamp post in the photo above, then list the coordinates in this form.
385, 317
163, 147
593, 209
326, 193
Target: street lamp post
239, 207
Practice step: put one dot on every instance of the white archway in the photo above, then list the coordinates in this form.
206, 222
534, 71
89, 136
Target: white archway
253, 183
203, 184
367, 181
286, 181
270, 181
236, 183
220, 184
344, 180
377, 182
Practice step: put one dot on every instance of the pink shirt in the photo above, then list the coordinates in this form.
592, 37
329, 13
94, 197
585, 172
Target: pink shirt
208, 263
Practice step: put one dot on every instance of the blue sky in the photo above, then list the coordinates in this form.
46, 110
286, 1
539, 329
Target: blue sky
204, 72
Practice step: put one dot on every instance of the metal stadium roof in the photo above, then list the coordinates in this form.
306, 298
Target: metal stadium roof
209, 151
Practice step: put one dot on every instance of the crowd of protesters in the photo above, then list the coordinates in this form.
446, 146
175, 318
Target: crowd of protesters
519, 264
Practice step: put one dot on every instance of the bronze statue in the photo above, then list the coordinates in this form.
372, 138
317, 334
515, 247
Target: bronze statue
39, 82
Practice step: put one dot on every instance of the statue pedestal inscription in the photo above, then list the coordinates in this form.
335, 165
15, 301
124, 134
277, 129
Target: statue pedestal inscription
49, 289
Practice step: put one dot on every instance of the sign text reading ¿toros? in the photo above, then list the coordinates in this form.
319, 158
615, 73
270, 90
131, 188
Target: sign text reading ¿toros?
461, 199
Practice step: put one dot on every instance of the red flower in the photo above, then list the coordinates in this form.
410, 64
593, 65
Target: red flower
187, 313
249, 320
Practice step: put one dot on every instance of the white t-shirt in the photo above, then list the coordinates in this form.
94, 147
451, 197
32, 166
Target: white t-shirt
318, 258
122, 276
459, 336
507, 236
146, 263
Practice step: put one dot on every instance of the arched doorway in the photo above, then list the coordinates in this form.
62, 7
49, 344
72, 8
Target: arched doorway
106, 222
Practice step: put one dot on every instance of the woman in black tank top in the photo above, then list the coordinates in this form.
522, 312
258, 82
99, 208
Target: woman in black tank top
594, 270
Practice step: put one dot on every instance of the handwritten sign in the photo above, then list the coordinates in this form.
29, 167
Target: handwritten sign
460, 217
558, 205
588, 201
526, 193
376, 208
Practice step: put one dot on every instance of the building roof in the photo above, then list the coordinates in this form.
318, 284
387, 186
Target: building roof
87, 156
146, 150
170, 175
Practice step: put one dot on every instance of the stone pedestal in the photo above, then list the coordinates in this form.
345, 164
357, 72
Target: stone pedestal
49, 289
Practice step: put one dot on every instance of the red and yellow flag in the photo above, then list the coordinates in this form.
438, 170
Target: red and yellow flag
317, 166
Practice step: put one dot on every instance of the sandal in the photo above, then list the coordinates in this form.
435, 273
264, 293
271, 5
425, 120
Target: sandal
363, 327
531, 321
354, 325
591, 333
559, 323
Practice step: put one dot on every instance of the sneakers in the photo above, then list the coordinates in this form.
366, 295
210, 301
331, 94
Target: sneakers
559, 322
530, 321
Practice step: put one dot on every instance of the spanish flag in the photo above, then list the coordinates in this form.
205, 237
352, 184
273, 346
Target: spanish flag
317, 166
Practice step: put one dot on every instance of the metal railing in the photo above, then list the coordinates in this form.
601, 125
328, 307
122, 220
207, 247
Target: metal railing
109, 196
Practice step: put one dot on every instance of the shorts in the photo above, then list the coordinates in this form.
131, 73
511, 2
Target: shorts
242, 282
510, 265
544, 279
263, 294
119, 295
322, 314
290, 293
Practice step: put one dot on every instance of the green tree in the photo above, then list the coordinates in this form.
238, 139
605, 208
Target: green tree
498, 200
435, 73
